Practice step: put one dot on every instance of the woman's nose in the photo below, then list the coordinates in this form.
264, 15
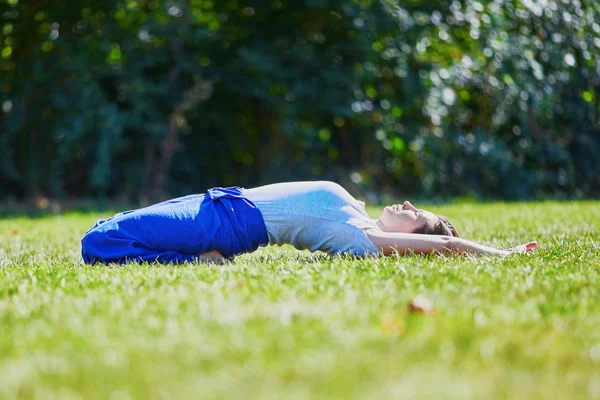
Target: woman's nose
408, 206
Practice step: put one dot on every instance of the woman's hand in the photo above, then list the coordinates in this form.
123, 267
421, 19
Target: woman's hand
524, 248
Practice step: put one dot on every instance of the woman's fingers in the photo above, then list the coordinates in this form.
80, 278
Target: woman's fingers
524, 248
530, 246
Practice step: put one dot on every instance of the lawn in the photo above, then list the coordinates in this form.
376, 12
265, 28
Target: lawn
282, 324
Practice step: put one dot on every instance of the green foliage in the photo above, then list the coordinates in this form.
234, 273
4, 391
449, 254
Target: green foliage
285, 324
141, 99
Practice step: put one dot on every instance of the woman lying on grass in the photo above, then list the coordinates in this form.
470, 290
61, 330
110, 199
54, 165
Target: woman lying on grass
226, 222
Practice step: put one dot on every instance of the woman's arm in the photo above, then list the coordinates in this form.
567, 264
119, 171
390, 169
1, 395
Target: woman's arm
407, 243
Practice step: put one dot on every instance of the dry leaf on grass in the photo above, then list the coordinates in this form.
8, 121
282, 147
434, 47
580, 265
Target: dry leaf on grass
421, 305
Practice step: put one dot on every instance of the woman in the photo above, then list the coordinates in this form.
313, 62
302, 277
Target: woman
225, 222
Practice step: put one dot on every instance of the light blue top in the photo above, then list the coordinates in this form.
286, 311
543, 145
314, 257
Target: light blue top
314, 216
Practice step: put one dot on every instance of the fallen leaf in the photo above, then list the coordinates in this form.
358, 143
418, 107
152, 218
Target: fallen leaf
421, 305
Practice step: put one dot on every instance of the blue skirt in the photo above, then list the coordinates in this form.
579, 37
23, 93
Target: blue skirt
179, 230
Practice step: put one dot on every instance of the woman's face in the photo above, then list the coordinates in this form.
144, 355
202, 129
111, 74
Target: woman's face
405, 218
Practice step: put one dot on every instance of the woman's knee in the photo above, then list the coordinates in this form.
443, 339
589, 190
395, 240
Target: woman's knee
105, 242
92, 245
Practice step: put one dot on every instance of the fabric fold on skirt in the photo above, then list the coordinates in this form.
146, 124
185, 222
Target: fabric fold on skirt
179, 230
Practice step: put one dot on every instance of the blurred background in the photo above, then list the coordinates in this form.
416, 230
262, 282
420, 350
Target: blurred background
141, 100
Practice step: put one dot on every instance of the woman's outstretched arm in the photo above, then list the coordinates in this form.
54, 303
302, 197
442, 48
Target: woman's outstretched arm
407, 243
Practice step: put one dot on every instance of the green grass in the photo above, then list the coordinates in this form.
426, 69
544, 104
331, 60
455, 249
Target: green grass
282, 324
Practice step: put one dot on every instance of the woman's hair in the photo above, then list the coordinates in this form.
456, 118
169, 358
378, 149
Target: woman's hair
442, 227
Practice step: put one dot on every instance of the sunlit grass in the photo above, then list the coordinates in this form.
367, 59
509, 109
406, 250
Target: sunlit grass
286, 324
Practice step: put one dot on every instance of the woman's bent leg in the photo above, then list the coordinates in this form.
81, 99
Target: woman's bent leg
169, 232
104, 247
